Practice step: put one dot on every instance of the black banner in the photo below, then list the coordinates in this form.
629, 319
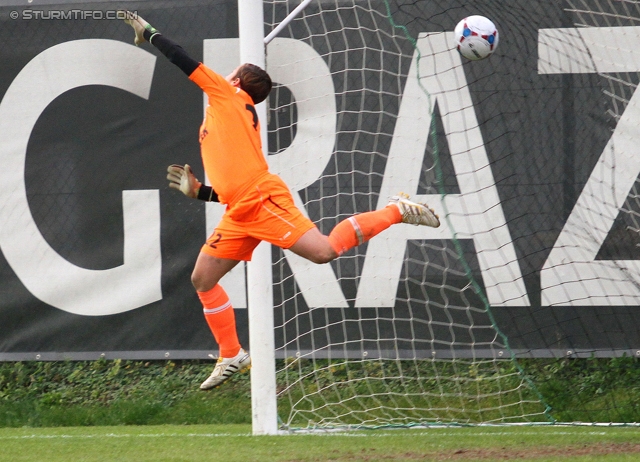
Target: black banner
97, 251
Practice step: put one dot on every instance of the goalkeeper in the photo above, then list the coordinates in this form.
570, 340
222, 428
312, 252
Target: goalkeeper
259, 206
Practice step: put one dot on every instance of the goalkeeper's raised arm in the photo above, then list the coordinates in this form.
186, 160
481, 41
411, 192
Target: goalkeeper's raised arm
144, 32
250, 78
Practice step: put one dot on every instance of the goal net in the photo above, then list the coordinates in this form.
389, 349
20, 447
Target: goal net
532, 268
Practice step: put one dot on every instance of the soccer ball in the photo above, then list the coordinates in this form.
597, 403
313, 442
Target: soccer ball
476, 37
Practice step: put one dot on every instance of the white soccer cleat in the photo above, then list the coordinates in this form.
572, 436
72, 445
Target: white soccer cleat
225, 368
139, 25
414, 213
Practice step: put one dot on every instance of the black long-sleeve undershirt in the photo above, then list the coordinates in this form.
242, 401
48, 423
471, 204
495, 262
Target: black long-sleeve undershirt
174, 52
206, 193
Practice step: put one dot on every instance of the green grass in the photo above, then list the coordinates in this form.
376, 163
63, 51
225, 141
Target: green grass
39, 394
85, 393
235, 443
205, 408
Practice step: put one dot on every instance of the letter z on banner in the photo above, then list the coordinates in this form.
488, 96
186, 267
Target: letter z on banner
572, 275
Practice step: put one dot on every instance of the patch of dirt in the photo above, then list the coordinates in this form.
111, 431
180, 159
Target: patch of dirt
533, 452
492, 454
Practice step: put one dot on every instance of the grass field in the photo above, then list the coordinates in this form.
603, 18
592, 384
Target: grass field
234, 443
154, 411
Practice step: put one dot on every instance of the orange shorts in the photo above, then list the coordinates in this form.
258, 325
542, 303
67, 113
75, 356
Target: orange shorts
265, 213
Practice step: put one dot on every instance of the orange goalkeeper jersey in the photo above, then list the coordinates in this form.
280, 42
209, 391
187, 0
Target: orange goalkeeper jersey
230, 142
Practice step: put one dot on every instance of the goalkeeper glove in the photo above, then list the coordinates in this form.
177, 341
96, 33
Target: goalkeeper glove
139, 26
183, 179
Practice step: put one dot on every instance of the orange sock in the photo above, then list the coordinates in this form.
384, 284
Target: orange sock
360, 228
219, 314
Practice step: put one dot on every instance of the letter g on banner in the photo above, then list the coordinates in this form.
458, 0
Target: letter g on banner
46, 274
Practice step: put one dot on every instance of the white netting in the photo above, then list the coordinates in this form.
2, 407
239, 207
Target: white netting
396, 331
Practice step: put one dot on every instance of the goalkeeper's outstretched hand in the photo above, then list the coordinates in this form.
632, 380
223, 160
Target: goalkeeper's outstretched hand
139, 25
183, 179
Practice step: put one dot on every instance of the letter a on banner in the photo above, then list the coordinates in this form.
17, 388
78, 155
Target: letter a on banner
475, 213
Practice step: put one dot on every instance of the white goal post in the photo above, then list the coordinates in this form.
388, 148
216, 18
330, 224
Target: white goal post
259, 284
